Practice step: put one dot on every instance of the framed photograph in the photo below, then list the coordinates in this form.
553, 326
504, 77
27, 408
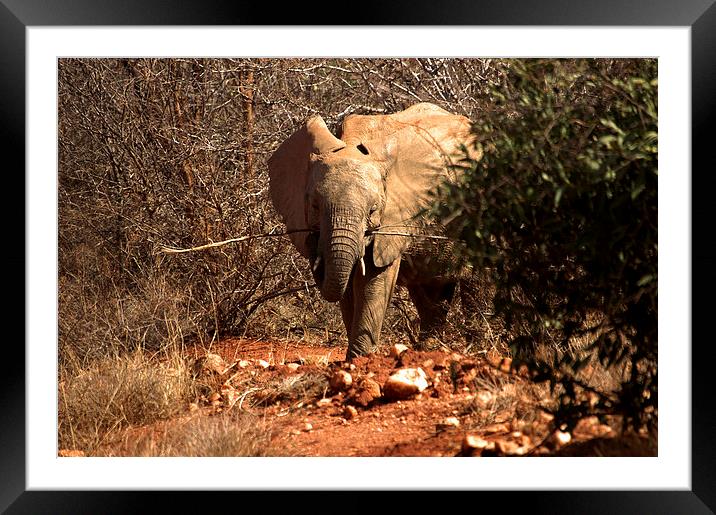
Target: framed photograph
64, 59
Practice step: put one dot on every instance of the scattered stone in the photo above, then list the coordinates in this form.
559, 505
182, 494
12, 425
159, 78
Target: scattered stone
558, 439
324, 402
397, 350
602, 429
496, 428
193, 406
230, 394
293, 366
307, 427
474, 442
428, 363
473, 445
341, 380
524, 441
70, 453
349, 412
244, 363
593, 399
215, 396
368, 390
506, 365
352, 366
263, 363
448, 423
405, 383
509, 448
214, 363
441, 363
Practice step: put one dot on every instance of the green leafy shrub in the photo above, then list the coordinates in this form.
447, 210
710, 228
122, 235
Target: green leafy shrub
562, 209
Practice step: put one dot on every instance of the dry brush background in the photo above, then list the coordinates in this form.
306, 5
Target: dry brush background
172, 152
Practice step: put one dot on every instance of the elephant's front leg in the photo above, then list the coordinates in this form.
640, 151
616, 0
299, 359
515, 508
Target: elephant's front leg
370, 299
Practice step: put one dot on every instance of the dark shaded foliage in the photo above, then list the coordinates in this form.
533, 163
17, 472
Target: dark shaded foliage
562, 210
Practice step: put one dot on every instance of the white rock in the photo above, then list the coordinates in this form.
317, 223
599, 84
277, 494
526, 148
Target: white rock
293, 366
307, 427
474, 442
324, 402
263, 363
405, 383
341, 380
563, 437
448, 423
244, 363
397, 350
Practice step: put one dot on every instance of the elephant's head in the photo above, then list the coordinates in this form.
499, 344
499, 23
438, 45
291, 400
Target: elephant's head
377, 175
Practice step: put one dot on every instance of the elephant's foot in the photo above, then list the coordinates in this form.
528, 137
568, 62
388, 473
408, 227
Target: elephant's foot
361, 346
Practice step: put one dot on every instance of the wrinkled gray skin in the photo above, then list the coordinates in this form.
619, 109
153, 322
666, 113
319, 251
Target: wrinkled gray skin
374, 178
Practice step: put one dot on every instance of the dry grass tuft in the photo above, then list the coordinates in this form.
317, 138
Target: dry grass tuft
118, 392
296, 388
230, 434
507, 396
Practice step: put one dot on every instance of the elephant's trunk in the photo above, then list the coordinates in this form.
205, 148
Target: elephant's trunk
342, 249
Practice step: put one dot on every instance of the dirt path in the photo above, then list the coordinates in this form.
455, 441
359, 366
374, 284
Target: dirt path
466, 397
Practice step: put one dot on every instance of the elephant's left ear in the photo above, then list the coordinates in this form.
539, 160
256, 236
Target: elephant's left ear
288, 169
418, 147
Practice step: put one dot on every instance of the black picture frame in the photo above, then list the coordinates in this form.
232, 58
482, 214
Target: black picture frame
700, 15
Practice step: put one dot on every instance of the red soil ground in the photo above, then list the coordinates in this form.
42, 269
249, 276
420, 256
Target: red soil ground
312, 419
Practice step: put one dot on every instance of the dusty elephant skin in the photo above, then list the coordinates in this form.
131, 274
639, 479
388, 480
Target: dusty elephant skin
351, 193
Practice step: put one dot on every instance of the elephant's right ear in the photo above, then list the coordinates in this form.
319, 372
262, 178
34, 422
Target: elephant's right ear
288, 174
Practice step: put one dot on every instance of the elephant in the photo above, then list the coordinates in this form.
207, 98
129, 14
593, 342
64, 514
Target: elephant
353, 207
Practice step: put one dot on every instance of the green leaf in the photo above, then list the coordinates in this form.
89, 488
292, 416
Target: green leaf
558, 196
645, 280
637, 190
611, 125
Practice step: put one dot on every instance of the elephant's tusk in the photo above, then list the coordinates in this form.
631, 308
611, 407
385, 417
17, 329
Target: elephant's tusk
316, 264
362, 267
